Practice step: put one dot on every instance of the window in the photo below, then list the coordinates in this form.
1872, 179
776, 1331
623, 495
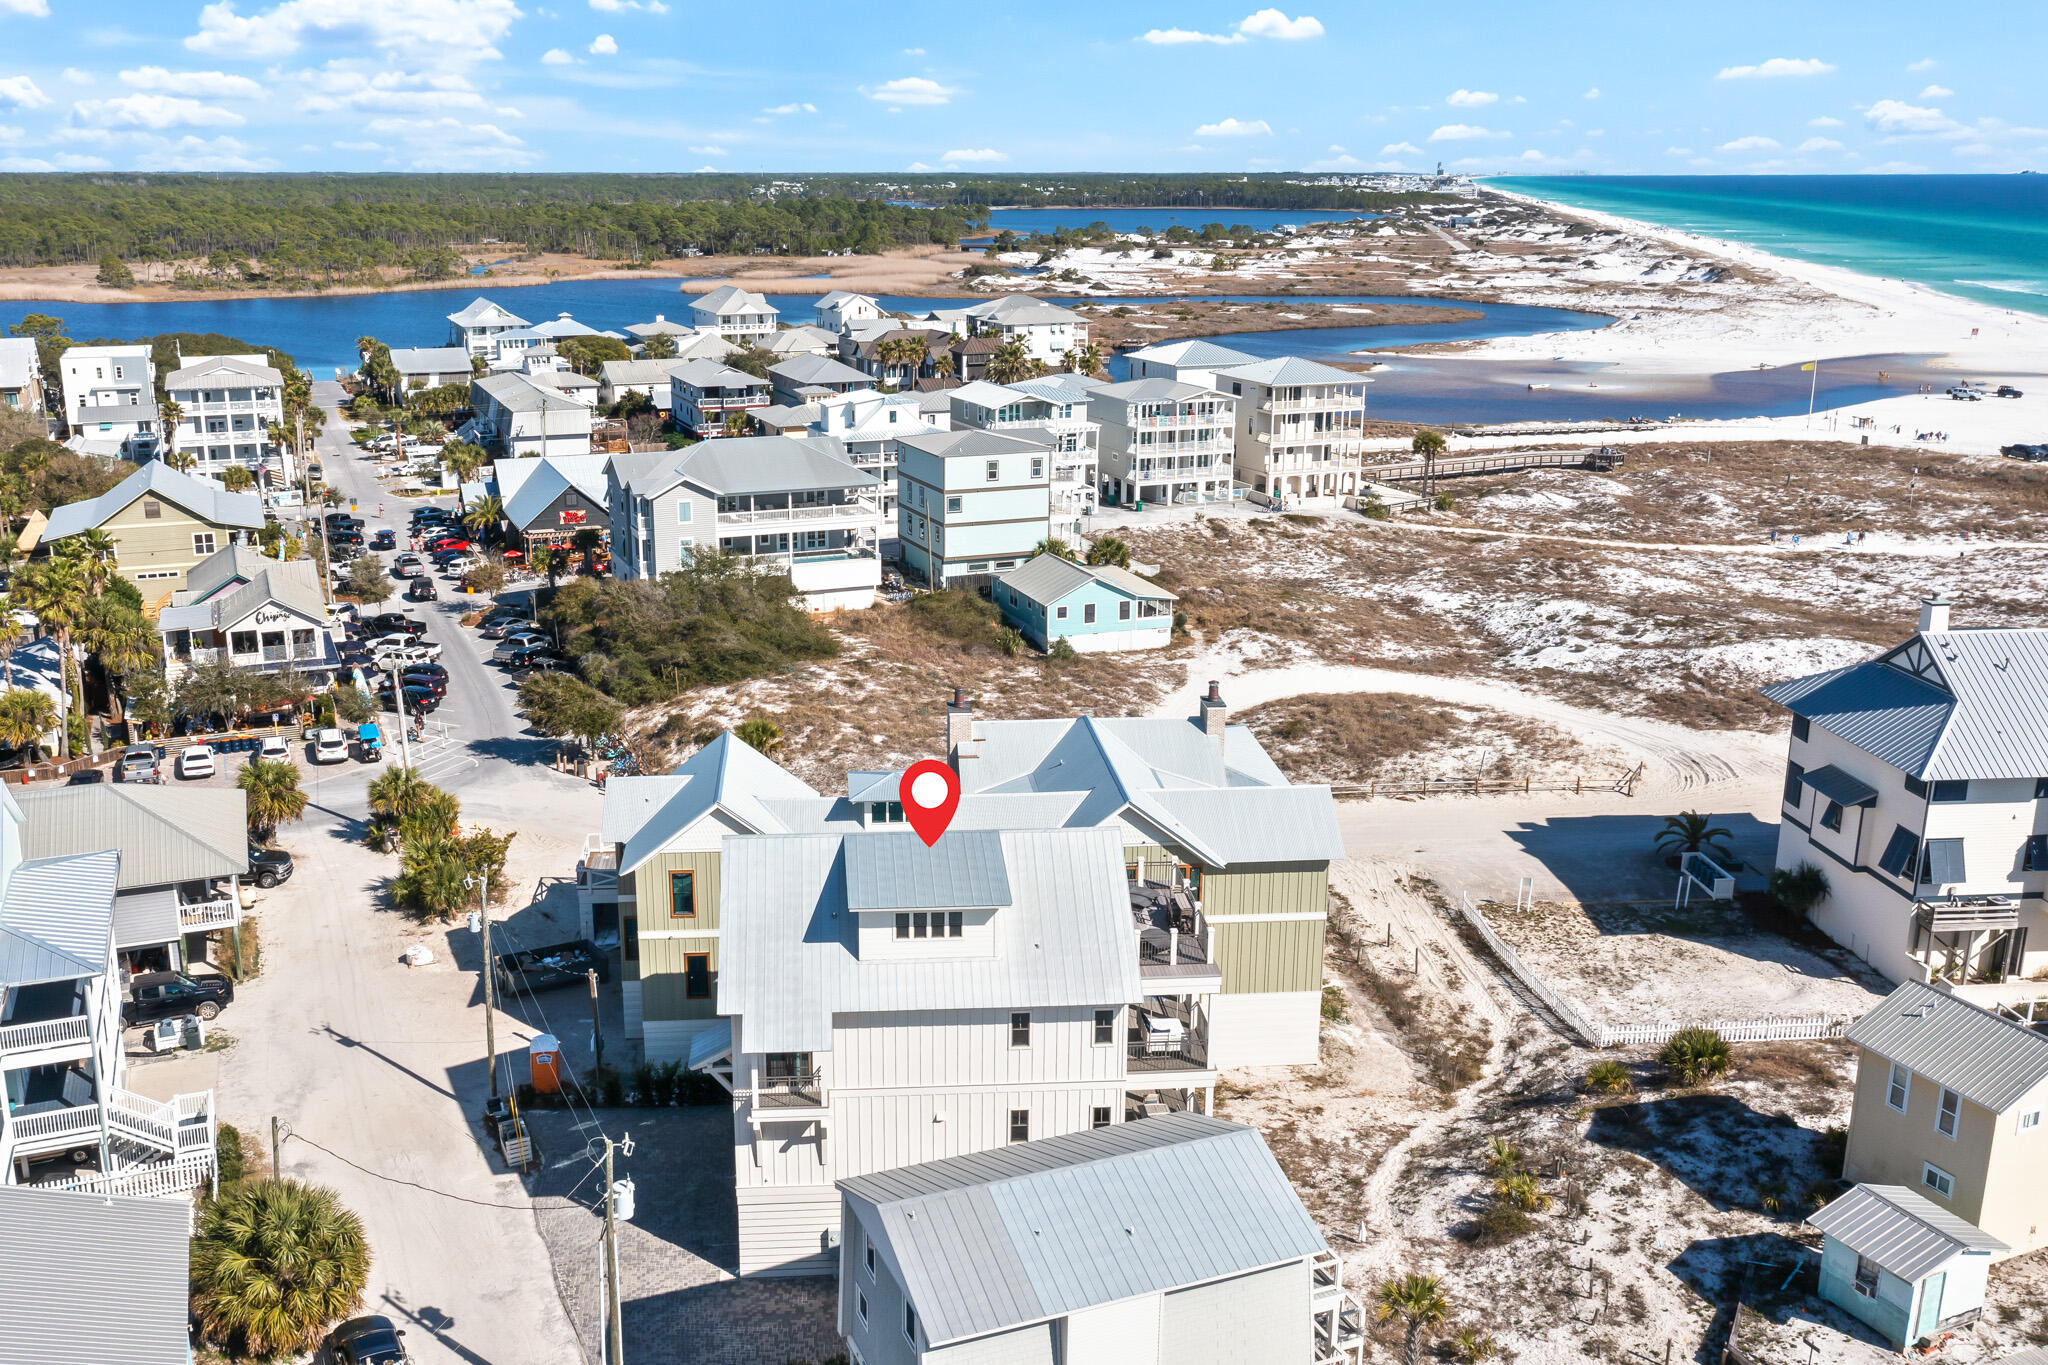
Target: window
1900, 1087
1942, 862
1951, 791
1936, 1179
697, 976
1020, 1125
1087, 613
787, 1066
683, 510
1020, 1029
1948, 1112
1832, 816
682, 895
2030, 1120
2034, 856
910, 1323
860, 1300
956, 923
1915, 787
202, 543
1793, 780
920, 924
871, 1260
952, 504
903, 925
1099, 1118
1123, 611
1105, 1028
992, 470
1866, 1277
1038, 466
629, 939
1800, 729
1901, 853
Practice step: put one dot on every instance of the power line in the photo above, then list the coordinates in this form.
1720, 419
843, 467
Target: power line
429, 1189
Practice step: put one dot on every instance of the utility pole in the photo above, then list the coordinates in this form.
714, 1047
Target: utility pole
596, 1023
483, 901
306, 481
615, 1335
398, 700
276, 1149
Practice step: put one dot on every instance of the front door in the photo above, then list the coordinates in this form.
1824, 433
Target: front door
1930, 1305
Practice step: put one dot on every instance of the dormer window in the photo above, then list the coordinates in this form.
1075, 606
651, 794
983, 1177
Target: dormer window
885, 812
930, 924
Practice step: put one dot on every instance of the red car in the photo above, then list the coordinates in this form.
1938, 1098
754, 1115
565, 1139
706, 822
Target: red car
447, 543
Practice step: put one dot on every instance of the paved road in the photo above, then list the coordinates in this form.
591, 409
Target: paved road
381, 1065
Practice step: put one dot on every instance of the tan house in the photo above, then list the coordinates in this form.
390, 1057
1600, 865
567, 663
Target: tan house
165, 522
1949, 1099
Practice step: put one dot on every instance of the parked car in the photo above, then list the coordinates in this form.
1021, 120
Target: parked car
546, 660
138, 764
384, 540
418, 701
274, 747
394, 623
437, 685
269, 866
370, 1340
330, 745
398, 656
2008, 391
552, 965
520, 642
422, 589
427, 670
455, 566
196, 761
2024, 452
500, 627
158, 995
344, 552
342, 519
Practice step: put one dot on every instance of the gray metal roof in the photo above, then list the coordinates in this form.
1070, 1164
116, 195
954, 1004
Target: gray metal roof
730, 298
202, 498
1042, 1229
818, 369
20, 362
1974, 711
703, 374
518, 393
1904, 1232
767, 464
432, 360
651, 372
727, 775
1156, 391
1986, 1059
971, 442
787, 938
1048, 577
1019, 310
482, 311
1291, 369
1192, 353
527, 488
166, 834
57, 921
144, 918
1837, 785
963, 870
224, 370
93, 1278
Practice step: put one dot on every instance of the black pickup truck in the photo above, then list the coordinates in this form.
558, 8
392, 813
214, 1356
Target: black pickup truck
552, 965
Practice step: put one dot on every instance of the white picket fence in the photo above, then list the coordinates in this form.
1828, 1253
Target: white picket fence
1647, 1034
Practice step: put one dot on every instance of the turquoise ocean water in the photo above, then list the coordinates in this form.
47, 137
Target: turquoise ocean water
1981, 236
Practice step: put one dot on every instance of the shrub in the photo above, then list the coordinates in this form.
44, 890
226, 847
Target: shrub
275, 1263
611, 1088
1498, 1223
1010, 642
1799, 889
1446, 503
959, 614
1695, 1055
1609, 1078
1375, 509
1111, 551
1471, 1345
1771, 1196
1063, 649
228, 1154
1521, 1191
1503, 1157
1334, 1007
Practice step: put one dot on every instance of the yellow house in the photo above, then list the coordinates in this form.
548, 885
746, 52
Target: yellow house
1949, 1099
165, 522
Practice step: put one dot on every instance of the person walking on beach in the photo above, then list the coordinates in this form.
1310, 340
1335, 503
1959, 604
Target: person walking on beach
1774, 536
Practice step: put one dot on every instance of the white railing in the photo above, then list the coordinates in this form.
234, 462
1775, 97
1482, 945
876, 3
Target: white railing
73, 1028
1555, 1003
219, 913
861, 509
155, 1180
1329, 403
72, 1119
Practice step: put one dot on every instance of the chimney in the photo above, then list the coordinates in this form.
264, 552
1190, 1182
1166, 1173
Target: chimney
661, 317
960, 742
1214, 714
1934, 613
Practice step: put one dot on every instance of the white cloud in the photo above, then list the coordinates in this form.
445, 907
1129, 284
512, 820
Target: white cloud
1899, 168
1472, 99
913, 52
1776, 66
1820, 144
456, 30
1924, 64
1464, 132
556, 56
604, 45
1937, 92
975, 155
196, 84
155, 111
911, 90
919, 166
432, 143
1180, 37
1898, 117
1823, 122
190, 153
791, 109
1336, 163
33, 9
616, 6
20, 92
1751, 144
1231, 127
709, 151
1678, 151
1400, 149
1592, 94
335, 88
25, 163
1271, 23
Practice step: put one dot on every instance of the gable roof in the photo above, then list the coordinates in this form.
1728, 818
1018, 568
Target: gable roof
767, 464
787, 937
661, 326
290, 585
702, 373
516, 392
94, 1278
222, 369
969, 442
229, 565
819, 369
1192, 353
1291, 369
165, 834
727, 775
730, 298
1904, 1232
839, 298
1987, 1060
1039, 1230
1049, 577
482, 312
653, 372
894, 871
527, 488
1156, 390
1020, 310
57, 918
432, 360
1971, 711
800, 340
201, 498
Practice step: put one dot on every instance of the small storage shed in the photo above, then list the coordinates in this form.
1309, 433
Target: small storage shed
1902, 1264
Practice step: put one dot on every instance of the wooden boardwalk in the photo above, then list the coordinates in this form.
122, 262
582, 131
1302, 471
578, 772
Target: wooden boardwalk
1590, 457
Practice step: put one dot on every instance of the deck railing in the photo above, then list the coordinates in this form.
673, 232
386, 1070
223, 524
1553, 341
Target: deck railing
218, 913
73, 1028
1189, 1052
805, 1090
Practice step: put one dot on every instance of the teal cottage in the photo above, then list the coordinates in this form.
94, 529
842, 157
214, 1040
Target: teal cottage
1095, 608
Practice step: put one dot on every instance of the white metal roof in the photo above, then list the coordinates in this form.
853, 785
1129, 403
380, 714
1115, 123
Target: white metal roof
19, 362
94, 1278
898, 871
482, 312
1039, 1230
727, 775
1049, 577
1192, 353
166, 834
57, 919
226, 371
730, 298
1904, 1232
1291, 369
1987, 1060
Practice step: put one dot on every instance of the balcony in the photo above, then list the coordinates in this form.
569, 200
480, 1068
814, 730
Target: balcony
801, 1090
45, 1033
856, 509
1969, 914
1349, 402
1163, 1050
599, 868
220, 912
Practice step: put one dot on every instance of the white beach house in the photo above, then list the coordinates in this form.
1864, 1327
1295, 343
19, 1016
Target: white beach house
110, 399
971, 503
476, 328
231, 403
734, 313
1164, 441
1300, 430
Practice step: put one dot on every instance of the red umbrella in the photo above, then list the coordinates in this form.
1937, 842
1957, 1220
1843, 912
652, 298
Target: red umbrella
514, 554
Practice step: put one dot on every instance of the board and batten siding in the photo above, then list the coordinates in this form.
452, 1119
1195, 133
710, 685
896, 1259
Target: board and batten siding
158, 545
1267, 889
1266, 956
661, 978
651, 892
970, 1047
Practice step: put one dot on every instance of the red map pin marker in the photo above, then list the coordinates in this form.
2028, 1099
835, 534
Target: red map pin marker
931, 793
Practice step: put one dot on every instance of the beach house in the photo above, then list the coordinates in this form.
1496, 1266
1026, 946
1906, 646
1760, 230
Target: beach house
1949, 1099
1052, 409
92, 1278
1095, 608
839, 310
110, 399
231, 404
617, 379
164, 523
1299, 434
21, 374
1902, 1264
549, 500
429, 367
1194, 361
516, 416
1917, 782
476, 328
704, 394
806, 378
1176, 1241
971, 503
1164, 441
734, 313
1046, 330
242, 607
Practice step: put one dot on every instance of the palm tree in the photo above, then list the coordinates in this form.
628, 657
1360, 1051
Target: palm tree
115, 634
1053, 545
1692, 832
483, 516
462, 457
1429, 445
169, 414
942, 364
97, 554
26, 715
184, 461
1419, 1302
400, 793
272, 786
546, 559
274, 1265
236, 477
759, 734
1091, 358
909, 352
1009, 363
11, 633
660, 346
738, 424
55, 590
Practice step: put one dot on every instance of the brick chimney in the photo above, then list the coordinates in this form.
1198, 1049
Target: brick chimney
1934, 613
1214, 715
961, 745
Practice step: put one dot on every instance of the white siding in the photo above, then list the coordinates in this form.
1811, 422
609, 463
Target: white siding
1263, 1316
1114, 1333
668, 1040
629, 996
969, 1047
1278, 1029
786, 1231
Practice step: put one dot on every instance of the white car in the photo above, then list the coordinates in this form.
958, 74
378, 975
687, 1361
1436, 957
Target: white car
196, 761
460, 565
274, 747
391, 644
330, 746
397, 656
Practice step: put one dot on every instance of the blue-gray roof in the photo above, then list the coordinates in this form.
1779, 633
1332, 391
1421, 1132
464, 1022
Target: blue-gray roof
92, 1278
963, 870
1987, 1060
207, 501
1903, 1231
57, 921
1953, 704
1039, 1230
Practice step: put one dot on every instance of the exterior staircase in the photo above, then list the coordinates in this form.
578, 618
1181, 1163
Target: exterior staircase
156, 1147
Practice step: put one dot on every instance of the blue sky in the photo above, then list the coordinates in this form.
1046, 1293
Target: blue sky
678, 85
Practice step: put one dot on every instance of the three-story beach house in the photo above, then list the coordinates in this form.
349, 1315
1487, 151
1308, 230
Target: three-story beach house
231, 404
21, 375
1165, 441
839, 310
164, 524
971, 503
1052, 410
704, 394
734, 313
1917, 782
517, 417
1300, 430
477, 328
110, 398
